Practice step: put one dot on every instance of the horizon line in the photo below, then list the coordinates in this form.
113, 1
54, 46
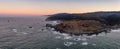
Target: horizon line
56, 13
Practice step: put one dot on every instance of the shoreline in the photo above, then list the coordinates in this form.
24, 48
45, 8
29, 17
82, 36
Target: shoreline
105, 29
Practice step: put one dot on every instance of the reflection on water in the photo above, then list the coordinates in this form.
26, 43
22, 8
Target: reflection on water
17, 35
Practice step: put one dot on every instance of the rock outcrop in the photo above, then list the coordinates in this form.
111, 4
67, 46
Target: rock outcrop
80, 27
87, 23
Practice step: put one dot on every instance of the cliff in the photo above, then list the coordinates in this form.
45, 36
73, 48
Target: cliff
87, 23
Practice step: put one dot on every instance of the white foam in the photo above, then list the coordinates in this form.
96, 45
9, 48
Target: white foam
64, 34
91, 36
102, 34
83, 39
24, 33
67, 37
14, 30
118, 30
77, 39
54, 22
52, 29
57, 48
56, 32
68, 43
85, 43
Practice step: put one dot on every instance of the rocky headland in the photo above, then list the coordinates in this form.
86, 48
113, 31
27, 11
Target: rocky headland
87, 23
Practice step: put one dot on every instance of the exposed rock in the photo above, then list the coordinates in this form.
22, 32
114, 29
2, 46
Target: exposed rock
30, 27
80, 27
86, 23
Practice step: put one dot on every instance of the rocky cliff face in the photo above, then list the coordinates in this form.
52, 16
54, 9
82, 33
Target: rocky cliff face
80, 27
87, 23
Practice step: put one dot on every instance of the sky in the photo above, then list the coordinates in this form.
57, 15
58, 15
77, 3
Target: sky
46, 7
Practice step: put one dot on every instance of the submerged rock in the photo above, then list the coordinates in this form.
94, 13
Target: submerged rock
30, 27
68, 43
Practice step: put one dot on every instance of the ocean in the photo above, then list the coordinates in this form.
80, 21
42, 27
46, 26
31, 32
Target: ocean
31, 33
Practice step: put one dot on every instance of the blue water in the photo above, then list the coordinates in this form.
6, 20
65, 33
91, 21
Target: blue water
17, 34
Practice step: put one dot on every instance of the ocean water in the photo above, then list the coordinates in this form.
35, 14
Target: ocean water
31, 33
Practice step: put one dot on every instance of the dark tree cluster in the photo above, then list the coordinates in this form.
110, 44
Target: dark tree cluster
108, 18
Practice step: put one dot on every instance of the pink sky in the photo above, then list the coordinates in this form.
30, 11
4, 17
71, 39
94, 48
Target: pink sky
45, 7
